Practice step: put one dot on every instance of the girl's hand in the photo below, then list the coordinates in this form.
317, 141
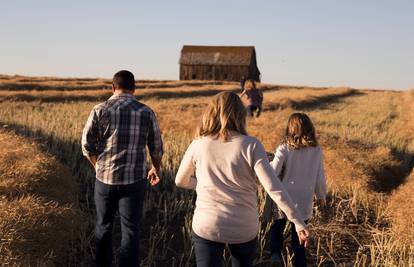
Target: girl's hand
303, 237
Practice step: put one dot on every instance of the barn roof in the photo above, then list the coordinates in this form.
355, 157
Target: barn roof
217, 55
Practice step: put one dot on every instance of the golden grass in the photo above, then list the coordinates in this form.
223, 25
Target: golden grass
100, 95
364, 136
40, 221
17, 83
400, 205
401, 211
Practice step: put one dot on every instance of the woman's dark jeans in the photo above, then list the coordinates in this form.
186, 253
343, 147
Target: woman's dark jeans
276, 242
210, 254
127, 200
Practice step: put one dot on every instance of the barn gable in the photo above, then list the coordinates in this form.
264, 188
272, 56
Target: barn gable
218, 63
216, 55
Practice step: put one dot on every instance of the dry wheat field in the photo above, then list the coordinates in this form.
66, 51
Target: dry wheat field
46, 208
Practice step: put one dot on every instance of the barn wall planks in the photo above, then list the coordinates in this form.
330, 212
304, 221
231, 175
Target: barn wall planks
218, 63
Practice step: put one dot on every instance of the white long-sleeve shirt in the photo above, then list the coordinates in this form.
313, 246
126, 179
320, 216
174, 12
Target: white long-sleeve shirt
226, 207
303, 177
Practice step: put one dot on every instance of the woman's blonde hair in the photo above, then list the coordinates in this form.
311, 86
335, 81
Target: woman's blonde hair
300, 132
224, 113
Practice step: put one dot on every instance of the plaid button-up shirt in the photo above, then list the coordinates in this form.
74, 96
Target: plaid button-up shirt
118, 132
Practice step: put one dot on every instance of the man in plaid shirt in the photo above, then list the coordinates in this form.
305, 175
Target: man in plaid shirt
114, 140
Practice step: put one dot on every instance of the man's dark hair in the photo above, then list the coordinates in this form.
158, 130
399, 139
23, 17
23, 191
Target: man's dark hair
124, 80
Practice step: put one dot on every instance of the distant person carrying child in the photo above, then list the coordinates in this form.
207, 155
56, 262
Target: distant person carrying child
114, 140
298, 163
252, 98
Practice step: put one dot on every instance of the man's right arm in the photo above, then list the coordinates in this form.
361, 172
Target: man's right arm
90, 138
155, 147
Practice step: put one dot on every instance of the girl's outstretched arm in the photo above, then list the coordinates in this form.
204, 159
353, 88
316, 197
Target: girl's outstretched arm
185, 174
279, 159
275, 189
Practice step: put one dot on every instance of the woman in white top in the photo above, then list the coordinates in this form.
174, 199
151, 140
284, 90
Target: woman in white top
226, 162
298, 163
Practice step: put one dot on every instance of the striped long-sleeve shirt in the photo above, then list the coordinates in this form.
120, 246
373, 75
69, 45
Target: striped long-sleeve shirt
117, 132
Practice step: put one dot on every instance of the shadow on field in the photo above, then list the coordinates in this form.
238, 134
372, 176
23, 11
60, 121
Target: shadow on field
319, 102
104, 96
67, 152
91, 84
390, 176
386, 168
49, 228
197, 93
391, 169
55, 98
47, 87
159, 94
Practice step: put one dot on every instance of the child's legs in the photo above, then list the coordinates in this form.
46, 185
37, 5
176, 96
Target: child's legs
259, 110
276, 236
250, 109
299, 252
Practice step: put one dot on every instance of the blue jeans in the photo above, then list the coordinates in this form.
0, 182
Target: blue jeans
210, 253
276, 242
127, 200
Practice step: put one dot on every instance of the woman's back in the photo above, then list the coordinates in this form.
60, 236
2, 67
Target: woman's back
226, 206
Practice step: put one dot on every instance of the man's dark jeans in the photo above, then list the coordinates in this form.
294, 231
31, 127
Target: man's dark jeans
277, 238
127, 200
210, 254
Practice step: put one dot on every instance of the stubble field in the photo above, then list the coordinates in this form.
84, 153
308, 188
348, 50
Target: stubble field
46, 186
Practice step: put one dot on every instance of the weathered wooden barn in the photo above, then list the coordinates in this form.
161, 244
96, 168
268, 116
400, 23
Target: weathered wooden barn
223, 63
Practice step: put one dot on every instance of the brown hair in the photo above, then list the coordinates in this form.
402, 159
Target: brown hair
300, 132
124, 79
224, 113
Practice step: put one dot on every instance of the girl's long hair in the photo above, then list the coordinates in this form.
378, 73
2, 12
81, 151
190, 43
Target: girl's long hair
300, 132
224, 113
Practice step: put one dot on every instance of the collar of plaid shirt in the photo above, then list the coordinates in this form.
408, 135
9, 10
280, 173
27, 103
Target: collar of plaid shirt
117, 95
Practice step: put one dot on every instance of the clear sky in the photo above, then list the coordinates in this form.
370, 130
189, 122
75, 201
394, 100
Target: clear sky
357, 43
